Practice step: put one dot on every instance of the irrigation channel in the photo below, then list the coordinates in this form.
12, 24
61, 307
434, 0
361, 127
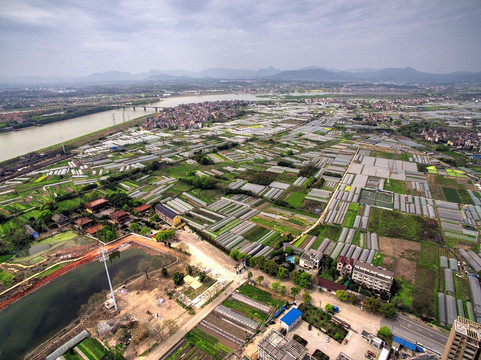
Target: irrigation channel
35, 318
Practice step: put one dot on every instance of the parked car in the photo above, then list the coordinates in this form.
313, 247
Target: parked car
371, 353
368, 356
309, 327
345, 341
327, 338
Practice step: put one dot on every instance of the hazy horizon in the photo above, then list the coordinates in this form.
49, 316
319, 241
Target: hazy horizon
76, 38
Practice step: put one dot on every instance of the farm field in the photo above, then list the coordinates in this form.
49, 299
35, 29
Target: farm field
399, 225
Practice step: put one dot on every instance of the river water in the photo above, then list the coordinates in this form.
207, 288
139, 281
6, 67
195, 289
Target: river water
16, 143
34, 319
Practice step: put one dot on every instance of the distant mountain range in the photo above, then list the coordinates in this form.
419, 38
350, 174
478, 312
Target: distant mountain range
389, 75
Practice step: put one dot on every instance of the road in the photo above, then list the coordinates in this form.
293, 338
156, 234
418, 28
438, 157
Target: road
208, 255
416, 331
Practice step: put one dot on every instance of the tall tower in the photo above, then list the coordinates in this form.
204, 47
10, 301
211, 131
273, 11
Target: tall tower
464, 342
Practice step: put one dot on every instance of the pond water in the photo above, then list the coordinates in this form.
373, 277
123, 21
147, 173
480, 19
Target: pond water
34, 319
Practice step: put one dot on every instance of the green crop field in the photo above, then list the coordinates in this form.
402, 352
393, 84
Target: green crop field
425, 289
256, 233
207, 344
326, 231
399, 225
249, 311
296, 199
451, 195
92, 349
350, 215
260, 295
397, 186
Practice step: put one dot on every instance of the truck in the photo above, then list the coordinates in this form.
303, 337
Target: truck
335, 309
278, 312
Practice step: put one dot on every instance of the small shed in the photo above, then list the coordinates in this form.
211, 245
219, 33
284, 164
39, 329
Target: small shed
60, 220
291, 319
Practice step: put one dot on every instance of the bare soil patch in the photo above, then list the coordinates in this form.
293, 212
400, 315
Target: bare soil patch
400, 256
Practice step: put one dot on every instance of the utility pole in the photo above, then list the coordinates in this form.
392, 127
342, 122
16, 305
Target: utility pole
63, 147
104, 260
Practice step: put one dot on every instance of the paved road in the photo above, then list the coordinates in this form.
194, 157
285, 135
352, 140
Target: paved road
416, 331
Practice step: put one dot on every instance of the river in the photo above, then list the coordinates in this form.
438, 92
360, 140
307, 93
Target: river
16, 143
35, 318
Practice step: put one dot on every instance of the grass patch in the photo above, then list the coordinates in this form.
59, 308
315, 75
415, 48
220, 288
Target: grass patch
425, 289
404, 295
399, 225
429, 255
461, 287
6, 278
4, 258
50, 271
249, 311
260, 295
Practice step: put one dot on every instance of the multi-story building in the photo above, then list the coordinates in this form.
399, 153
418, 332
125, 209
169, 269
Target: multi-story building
275, 346
310, 259
464, 342
345, 265
374, 277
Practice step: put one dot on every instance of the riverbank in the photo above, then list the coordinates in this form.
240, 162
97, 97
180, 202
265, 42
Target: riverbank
70, 145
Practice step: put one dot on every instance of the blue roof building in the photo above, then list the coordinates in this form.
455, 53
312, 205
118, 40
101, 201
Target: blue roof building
291, 319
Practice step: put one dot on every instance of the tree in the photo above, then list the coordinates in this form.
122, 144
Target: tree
282, 290
164, 235
271, 267
144, 266
289, 251
295, 290
234, 254
178, 278
250, 275
202, 276
260, 279
164, 272
371, 304
135, 227
275, 285
342, 295
304, 280
189, 269
353, 299
388, 310
282, 273
384, 331
306, 297
297, 259
145, 231
328, 308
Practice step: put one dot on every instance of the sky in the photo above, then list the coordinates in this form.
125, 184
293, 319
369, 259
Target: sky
74, 38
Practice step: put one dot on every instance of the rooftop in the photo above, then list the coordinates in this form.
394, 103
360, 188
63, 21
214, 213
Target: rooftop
291, 316
280, 348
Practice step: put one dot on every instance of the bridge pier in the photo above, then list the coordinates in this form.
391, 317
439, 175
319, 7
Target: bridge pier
145, 108
133, 107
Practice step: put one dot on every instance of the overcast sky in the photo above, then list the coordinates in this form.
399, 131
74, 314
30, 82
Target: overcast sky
80, 37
